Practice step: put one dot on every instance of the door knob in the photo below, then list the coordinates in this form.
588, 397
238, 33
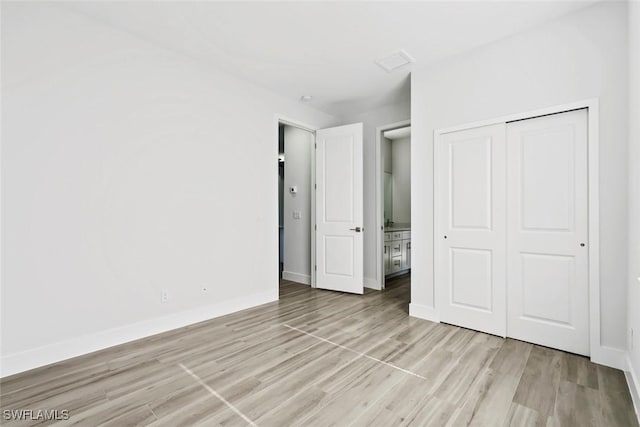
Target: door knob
357, 229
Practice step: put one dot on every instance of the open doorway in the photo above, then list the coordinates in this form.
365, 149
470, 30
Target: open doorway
295, 203
322, 193
394, 206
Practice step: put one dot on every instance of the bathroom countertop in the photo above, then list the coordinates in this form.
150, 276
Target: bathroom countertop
398, 227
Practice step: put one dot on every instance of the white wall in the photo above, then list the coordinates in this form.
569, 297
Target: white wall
401, 160
634, 189
577, 57
298, 146
372, 119
127, 169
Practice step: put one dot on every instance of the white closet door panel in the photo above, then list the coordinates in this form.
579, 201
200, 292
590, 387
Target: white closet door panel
470, 245
470, 187
547, 224
471, 278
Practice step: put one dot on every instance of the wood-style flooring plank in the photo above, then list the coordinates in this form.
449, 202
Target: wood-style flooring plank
489, 401
576, 405
539, 382
615, 399
320, 358
521, 416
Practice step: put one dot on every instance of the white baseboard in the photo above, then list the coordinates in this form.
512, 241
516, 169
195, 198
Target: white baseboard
305, 279
41, 356
424, 312
634, 386
609, 356
372, 284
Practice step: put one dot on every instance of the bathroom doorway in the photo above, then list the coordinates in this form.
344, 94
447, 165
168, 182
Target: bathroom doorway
394, 196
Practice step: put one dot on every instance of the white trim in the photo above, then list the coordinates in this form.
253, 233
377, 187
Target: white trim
312, 225
593, 184
634, 386
609, 356
599, 353
424, 312
587, 103
281, 119
52, 353
372, 283
436, 221
379, 198
305, 279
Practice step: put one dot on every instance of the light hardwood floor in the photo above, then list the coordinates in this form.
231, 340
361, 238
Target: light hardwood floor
320, 358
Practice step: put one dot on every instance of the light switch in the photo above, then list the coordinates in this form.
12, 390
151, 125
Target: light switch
297, 214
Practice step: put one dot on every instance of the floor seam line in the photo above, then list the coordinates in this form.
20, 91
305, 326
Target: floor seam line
333, 372
373, 404
217, 395
152, 411
406, 371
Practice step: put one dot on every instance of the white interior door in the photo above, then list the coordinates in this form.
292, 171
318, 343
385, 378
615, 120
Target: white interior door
470, 238
547, 250
339, 209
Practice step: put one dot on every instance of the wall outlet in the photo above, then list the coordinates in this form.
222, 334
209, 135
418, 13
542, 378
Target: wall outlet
297, 214
164, 297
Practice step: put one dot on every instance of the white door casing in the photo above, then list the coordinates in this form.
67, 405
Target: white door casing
470, 224
339, 209
547, 247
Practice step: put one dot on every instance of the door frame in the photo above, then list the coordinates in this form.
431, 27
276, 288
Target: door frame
598, 353
379, 282
284, 120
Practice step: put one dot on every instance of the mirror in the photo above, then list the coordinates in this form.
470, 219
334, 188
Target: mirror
388, 197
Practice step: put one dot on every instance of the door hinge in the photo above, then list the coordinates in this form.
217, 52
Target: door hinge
315, 145
315, 186
315, 227
315, 268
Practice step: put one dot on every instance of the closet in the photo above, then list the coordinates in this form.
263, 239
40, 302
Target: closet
511, 230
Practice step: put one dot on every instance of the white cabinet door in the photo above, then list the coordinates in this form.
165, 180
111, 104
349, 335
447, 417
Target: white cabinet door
396, 248
547, 228
387, 257
406, 254
396, 264
470, 238
339, 209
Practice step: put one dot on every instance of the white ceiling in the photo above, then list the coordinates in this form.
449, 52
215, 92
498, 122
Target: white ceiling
324, 49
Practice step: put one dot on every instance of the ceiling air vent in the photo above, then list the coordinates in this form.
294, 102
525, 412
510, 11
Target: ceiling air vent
395, 61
